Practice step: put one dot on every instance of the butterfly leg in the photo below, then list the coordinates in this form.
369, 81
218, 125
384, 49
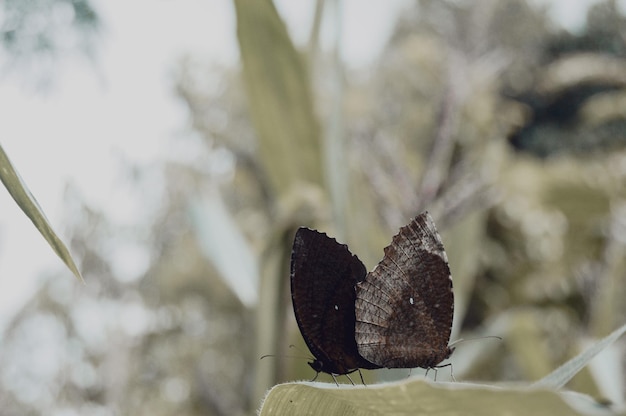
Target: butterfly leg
361, 374
350, 378
442, 366
451, 372
427, 370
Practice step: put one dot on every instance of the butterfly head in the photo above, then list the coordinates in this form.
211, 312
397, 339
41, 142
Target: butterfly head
317, 365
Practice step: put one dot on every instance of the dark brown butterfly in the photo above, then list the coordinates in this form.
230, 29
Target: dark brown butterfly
323, 278
397, 316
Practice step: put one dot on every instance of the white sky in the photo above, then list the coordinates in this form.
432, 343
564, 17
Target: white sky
79, 129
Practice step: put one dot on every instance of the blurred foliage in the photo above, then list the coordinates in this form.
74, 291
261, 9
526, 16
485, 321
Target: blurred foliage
35, 33
536, 244
575, 100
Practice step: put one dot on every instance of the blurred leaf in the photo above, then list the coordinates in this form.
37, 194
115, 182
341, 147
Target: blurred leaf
462, 245
281, 106
279, 96
524, 341
224, 244
559, 377
27, 202
417, 397
608, 377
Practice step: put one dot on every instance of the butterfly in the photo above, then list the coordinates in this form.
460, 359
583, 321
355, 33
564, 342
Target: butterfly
399, 315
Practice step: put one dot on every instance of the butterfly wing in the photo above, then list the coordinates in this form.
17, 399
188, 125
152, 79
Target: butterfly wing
323, 278
404, 307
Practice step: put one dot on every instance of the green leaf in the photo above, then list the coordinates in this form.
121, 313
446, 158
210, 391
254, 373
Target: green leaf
27, 202
559, 377
419, 397
280, 97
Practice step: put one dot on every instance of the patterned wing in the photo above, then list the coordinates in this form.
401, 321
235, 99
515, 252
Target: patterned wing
404, 307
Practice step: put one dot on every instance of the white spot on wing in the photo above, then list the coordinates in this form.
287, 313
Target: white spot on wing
336, 307
411, 301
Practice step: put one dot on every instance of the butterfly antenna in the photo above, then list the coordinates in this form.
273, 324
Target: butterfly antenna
458, 341
296, 348
306, 357
287, 356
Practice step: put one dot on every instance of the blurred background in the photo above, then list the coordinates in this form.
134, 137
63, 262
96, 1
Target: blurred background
177, 146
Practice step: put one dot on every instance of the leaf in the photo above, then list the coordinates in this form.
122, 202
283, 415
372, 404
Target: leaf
224, 244
279, 95
288, 146
418, 397
559, 377
27, 202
